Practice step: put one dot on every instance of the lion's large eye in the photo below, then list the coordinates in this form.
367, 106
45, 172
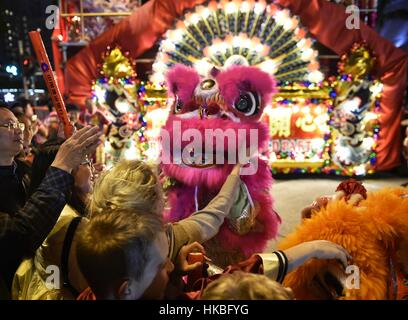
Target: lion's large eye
248, 103
178, 104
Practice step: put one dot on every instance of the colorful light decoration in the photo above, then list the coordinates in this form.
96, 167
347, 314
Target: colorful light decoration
317, 110
266, 35
354, 121
143, 141
270, 38
298, 120
115, 94
155, 120
155, 106
350, 103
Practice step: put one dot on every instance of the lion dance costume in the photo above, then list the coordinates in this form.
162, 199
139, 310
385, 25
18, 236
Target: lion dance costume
375, 233
228, 99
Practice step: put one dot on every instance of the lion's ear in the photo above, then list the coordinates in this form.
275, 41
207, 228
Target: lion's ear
181, 81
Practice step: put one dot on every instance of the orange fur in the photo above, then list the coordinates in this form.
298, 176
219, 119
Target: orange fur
371, 233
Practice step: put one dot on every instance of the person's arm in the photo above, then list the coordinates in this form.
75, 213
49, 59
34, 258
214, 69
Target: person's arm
30, 225
23, 233
277, 264
204, 224
274, 265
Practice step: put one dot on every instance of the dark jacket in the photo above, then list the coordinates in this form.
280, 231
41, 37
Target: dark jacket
22, 233
14, 183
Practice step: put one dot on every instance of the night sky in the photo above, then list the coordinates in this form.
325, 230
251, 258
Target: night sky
34, 10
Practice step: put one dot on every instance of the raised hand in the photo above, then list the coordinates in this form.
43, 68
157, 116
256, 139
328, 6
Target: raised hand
75, 149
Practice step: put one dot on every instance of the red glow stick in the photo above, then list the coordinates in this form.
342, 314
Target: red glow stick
51, 82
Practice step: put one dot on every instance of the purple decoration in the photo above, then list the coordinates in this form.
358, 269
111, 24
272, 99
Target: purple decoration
44, 66
94, 26
372, 19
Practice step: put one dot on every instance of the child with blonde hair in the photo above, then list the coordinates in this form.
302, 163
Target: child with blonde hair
246, 286
124, 256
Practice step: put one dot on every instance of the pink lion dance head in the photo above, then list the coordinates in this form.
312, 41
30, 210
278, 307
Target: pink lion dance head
224, 108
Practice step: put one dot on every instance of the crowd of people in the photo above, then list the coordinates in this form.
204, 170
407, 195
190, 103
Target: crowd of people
71, 230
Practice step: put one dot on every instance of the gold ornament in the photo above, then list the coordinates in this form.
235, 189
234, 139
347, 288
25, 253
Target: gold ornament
358, 63
155, 93
116, 65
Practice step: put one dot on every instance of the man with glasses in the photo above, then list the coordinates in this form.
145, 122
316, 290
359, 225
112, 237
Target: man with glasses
14, 125
13, 192
22, 231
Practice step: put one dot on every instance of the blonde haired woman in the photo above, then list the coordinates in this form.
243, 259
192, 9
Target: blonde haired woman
134, 186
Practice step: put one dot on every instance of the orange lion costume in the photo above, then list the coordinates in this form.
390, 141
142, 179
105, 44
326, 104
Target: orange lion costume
375, 233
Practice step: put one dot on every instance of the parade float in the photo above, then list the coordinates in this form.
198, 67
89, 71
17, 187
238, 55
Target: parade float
343, 123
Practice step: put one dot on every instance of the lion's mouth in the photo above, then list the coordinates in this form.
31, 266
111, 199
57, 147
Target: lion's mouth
208, 110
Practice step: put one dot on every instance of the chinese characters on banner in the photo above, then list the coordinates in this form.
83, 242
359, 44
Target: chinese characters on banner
299, 132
